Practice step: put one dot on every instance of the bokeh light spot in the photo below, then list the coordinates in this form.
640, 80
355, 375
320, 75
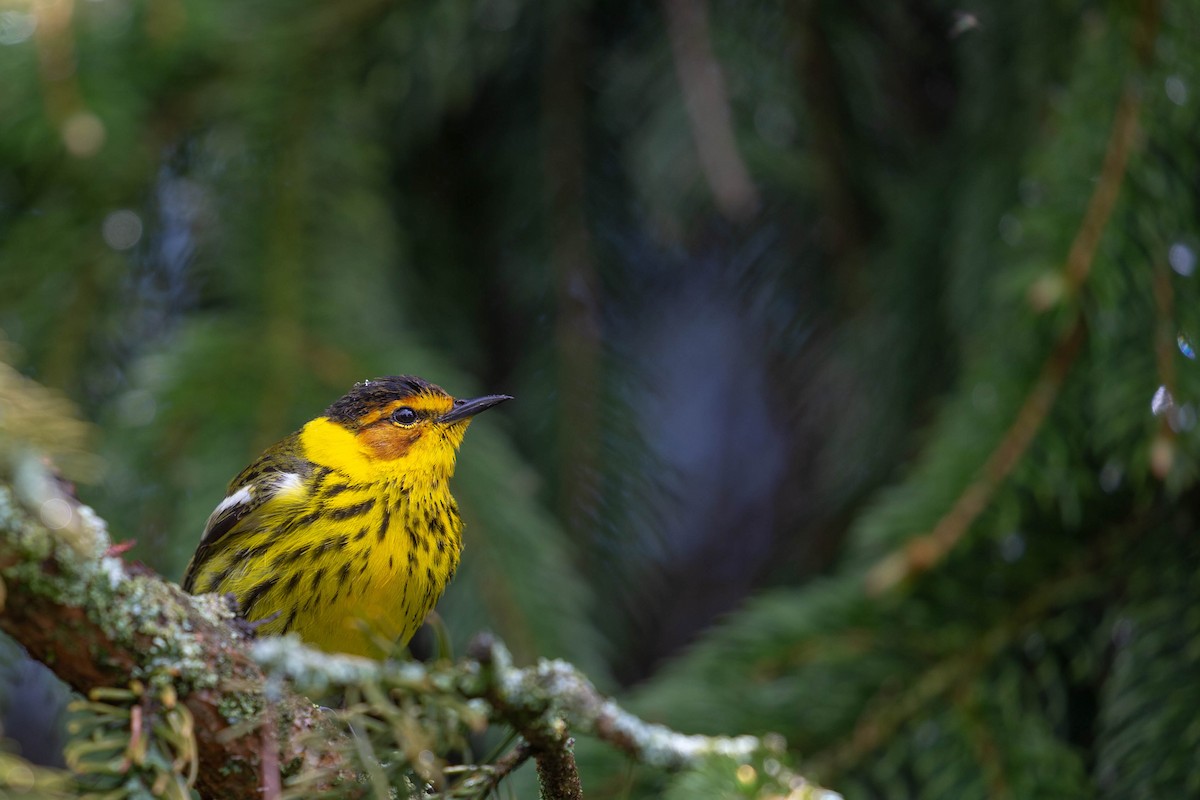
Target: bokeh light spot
1161, 402
1177, 90
56, 513
1047, 291
137, 408
927, 734
1111, 475
19, 778
1162, 457
1182, 259
122, 229
1011, 230
1012, 547
83, 134
16, 26
1182, 418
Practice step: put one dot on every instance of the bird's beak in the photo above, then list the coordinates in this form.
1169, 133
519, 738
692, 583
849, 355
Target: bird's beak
464, 409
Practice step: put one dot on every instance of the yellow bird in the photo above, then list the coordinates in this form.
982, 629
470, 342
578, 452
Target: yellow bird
346, 532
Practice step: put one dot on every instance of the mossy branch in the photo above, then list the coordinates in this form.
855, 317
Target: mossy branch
555, 688
97, 622
546, 704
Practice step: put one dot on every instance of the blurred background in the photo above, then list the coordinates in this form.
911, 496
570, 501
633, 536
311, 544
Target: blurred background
851, 342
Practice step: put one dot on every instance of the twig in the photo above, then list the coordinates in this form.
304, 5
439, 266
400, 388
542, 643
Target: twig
556, 686
508, 763
482, 781
1100, 206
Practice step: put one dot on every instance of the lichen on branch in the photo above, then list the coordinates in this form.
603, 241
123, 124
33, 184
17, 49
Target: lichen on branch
100, 624
546, 704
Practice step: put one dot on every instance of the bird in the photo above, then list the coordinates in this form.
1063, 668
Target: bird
345, 532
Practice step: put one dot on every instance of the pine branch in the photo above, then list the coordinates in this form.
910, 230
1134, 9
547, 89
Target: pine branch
925, 552
894, 706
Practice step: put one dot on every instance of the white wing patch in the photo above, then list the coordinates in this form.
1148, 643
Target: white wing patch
246, 499
240, 497
286, 483
227, 512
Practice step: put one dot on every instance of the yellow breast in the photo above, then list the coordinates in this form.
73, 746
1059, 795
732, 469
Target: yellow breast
384, 573
353, 556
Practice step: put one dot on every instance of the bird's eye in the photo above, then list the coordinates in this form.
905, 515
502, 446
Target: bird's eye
404, 415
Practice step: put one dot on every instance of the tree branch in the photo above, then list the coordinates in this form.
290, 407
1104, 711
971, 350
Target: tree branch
546, 733
543, 703
97, 622
558, 687
923, 552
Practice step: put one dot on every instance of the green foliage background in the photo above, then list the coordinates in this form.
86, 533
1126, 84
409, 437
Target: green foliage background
499, 195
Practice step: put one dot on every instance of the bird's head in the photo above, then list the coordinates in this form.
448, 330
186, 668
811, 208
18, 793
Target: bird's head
406, 424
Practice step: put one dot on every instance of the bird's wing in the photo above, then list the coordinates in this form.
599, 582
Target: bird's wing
269, 476
232, 510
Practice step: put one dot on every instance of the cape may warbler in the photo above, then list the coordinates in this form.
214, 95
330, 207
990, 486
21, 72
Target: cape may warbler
345, 532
